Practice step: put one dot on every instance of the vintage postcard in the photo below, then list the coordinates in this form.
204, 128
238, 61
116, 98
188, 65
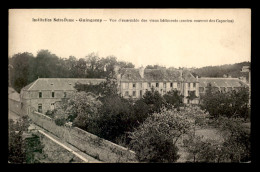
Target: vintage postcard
129, 85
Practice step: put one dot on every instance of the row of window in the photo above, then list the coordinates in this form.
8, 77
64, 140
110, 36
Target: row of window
53, 94
150, 85
126, 93
157, 85
222, 89
133, 93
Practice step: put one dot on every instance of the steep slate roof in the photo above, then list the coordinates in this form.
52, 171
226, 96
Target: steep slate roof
132, 74
221, 82
188, 77
60, 83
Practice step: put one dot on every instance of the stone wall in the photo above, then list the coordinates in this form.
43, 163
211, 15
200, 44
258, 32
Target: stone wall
92, 145
56, 152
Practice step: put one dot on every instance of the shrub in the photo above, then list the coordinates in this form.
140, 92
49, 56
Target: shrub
20, 149
173, 98
60, 121
50, 113
155, 139
229, 104
154, 100
116, 117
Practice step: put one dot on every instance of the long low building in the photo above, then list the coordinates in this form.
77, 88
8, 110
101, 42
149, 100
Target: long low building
46, 93
221, 84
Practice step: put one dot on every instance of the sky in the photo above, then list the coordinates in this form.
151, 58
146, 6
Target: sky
170, 44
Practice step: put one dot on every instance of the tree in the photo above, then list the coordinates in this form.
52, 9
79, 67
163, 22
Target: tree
154, 67
233, 70
173, 98
116, 117
123, 64
80, 109
193, 145
191, 96
235, 146
22, 150
19, 70
154, 99
81, 67
93, 65
24, 68
237, 141
230, 104
107, 88
156, 138
46, 64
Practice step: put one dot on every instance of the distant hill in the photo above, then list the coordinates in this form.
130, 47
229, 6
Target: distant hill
233, 70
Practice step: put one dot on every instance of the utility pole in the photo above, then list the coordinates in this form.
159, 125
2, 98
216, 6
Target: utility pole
248, 69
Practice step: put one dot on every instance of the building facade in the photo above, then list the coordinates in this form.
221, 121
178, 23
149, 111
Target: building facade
46, 93
221, 84
134, 82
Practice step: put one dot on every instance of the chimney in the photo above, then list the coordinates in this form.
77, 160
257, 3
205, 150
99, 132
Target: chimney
197, 78
181, 74
141, 71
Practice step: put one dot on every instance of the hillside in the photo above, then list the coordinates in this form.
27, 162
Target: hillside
233, 70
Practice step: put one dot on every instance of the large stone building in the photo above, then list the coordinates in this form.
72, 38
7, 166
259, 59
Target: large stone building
46, 93
135, 82
221, 84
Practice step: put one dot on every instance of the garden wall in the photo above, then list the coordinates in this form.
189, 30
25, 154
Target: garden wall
57, 152
88, 143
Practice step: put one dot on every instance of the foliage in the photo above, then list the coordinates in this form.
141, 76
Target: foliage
154, 67
81, 108
237, 141
24, 68
173, 98
60, 121
205, 150
229, 104
140, 110
194, 146
116, 117
16, 149
159, 131
107, 88
233, 70
235, 146
34, 150
154, 99
19, 69
192, 95
50, 113
20, 149
119, 115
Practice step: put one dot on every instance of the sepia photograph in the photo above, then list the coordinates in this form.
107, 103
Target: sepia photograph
129, 85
